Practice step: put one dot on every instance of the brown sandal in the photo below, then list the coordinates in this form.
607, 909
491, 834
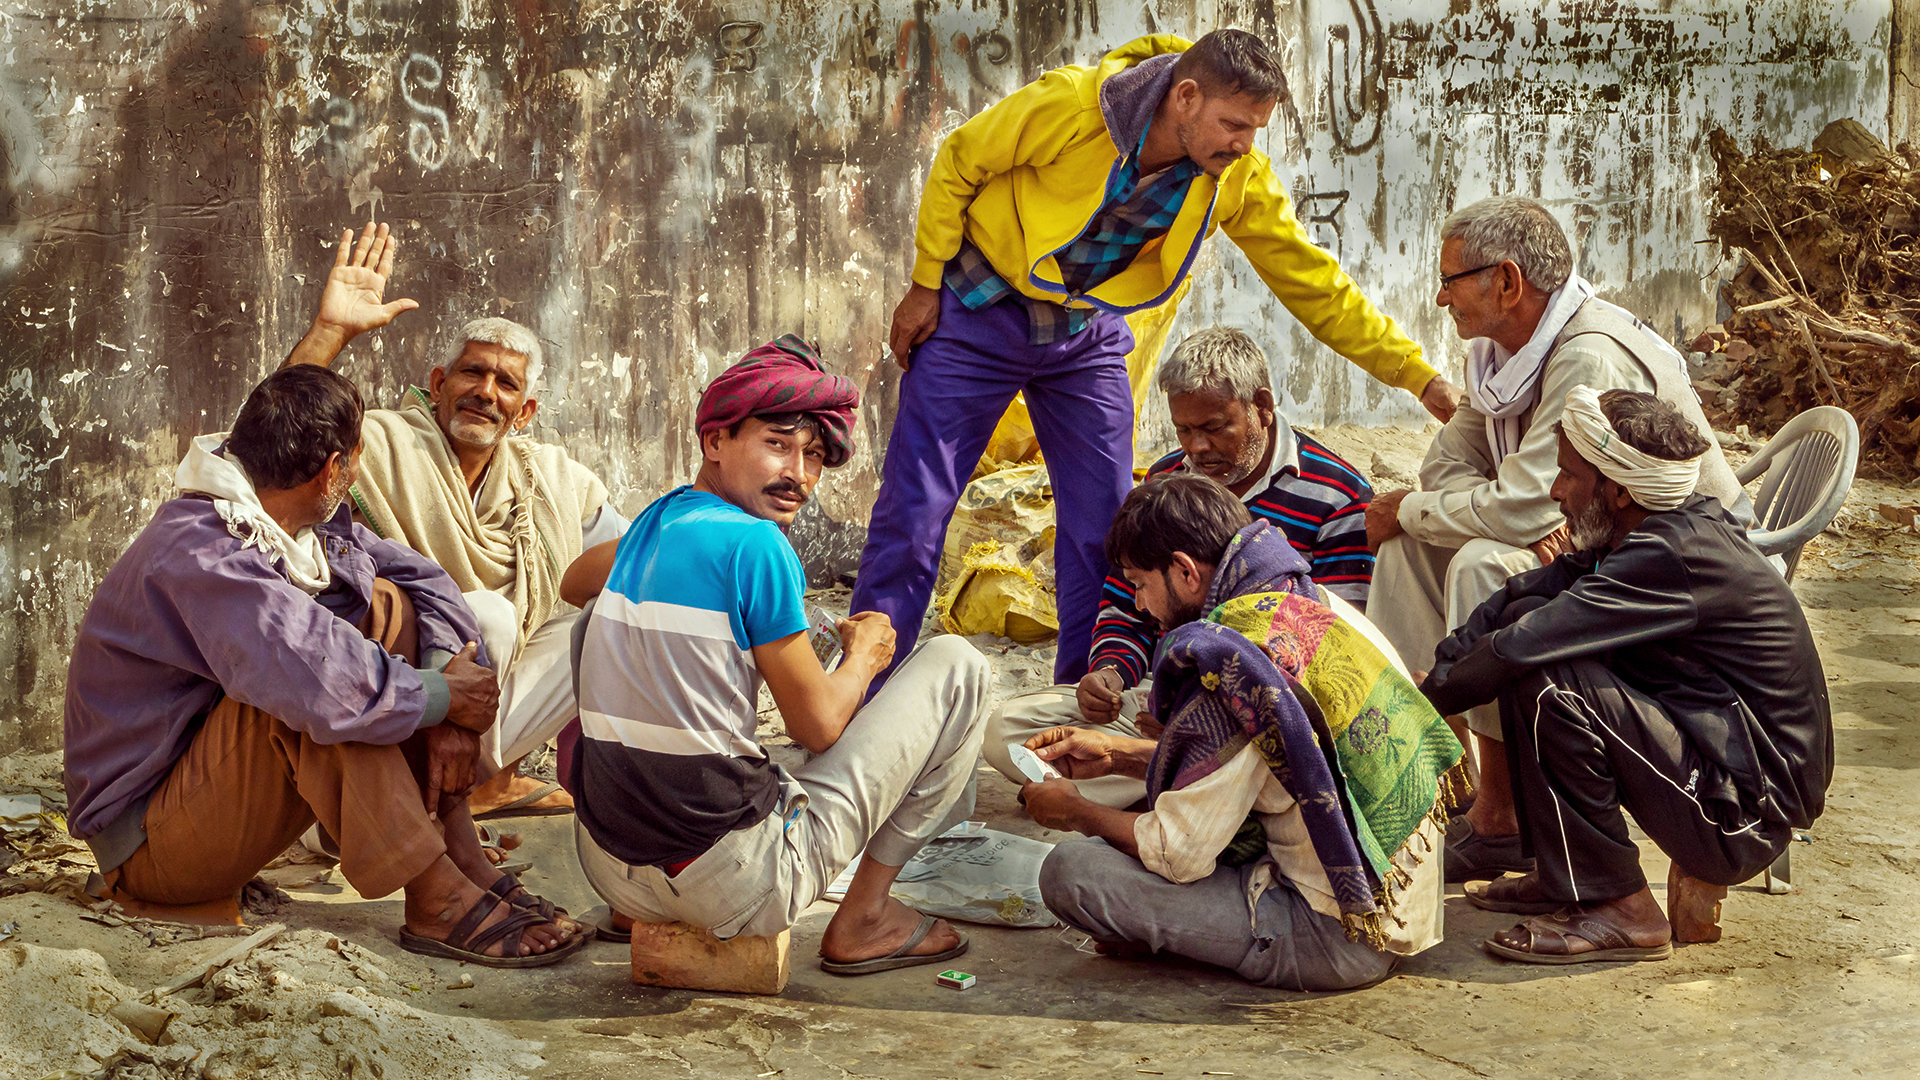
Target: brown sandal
1557, 930
1503, 894
468, 941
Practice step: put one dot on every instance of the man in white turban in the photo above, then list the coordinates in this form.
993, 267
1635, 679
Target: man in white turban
1535, 330
1663, 668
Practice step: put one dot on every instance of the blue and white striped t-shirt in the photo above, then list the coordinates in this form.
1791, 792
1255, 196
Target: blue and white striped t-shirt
668, 763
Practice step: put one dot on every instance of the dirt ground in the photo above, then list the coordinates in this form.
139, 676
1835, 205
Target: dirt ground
1824, 981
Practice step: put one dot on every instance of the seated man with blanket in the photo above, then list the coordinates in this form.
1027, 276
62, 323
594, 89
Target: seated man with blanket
1296, 794
1220, 394
255, 661
451, 474
682, 816
1664, 668
1536, 330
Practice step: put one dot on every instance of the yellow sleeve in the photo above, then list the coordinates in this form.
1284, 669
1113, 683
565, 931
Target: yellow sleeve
1027, 127
1314, 288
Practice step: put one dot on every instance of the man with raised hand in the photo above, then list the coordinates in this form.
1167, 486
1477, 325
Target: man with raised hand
256, 661
452, 474
1046, 219
682, 816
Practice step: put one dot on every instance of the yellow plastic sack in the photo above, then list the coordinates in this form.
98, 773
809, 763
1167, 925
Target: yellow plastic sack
1013, 440
997, 592
996, 570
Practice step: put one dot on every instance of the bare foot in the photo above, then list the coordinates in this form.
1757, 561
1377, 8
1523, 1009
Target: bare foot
440, 898
851, 937
507, 786
501, 850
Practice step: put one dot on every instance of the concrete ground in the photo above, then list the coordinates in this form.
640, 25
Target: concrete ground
1822, 982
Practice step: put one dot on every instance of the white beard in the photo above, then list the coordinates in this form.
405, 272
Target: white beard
1591, 528
473, 432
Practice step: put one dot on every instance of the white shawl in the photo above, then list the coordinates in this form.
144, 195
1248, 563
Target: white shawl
234, 499
1503, 387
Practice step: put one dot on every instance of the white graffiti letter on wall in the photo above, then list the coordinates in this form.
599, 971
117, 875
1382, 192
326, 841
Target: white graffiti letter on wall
428, 134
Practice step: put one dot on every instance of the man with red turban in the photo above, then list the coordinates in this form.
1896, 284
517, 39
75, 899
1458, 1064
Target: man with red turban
682, 816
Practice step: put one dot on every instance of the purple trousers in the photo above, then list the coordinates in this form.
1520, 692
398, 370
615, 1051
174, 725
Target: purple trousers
959, 383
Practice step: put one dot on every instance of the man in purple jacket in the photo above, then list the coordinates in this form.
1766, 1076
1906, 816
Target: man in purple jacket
255, 661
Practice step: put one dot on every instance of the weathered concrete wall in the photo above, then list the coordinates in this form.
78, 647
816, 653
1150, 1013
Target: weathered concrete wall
656, 186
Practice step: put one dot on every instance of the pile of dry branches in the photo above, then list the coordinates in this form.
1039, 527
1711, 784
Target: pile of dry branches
1829, 293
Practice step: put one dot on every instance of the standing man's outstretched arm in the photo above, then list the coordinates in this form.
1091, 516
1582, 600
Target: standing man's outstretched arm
1312, 285
350, 305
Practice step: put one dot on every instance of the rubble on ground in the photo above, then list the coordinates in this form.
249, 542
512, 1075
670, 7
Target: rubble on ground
1826, 304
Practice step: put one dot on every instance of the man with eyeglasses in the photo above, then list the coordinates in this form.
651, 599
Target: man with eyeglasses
1483, 512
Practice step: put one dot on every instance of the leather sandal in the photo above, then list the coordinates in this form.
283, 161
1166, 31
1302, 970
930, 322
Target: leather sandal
1547, 939
468, 941
1506, 894
1472, 856
508, 888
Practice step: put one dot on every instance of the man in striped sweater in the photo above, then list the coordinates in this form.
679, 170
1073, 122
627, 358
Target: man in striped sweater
1221, 399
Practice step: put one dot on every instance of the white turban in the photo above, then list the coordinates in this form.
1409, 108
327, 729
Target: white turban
1655, 483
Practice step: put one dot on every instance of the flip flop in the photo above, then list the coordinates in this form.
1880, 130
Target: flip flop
1472, 856
1488, 900
468, 942
899, 957
523, 806
1610, 942
600, 921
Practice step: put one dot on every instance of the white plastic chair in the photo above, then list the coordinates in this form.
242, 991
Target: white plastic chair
1808, 468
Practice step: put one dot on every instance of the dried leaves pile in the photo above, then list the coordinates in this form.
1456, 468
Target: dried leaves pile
1829, 296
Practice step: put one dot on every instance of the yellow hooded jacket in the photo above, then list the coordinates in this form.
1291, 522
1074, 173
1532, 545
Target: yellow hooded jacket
1025, 177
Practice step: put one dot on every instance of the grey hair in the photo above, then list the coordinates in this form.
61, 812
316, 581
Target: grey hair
1508, 227
1218, 358
508, 335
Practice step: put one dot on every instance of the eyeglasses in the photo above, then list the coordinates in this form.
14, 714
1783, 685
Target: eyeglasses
1448, 279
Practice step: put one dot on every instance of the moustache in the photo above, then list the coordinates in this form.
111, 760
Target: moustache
480, 405
785, 487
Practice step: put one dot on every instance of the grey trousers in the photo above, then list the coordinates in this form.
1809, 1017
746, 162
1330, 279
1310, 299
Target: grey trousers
1110, 895
901, 774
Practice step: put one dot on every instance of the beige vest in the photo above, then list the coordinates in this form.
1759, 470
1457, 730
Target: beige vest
1671, 385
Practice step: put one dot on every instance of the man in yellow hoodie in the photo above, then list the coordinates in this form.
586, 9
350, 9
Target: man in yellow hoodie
1046, 219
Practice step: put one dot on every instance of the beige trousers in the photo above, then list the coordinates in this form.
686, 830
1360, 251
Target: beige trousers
1421, 592
1022, 717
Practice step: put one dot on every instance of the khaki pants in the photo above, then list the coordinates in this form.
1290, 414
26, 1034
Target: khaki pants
1420, 593
1021, 718
248, 785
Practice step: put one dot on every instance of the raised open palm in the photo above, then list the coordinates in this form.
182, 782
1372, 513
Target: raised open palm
358, 280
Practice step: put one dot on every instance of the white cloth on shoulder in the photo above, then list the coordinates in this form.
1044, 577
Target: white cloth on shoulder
204, 470
1503, 387
1655, 483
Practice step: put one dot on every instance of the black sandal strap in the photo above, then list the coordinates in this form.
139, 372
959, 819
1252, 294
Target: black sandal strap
469, 922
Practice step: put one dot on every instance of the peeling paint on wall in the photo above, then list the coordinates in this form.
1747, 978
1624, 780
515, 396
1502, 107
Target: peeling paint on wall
656, 186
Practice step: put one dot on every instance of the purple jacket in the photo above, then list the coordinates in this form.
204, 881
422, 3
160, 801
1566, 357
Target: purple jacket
188, 613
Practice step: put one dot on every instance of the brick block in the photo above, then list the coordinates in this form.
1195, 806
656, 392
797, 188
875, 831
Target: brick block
1693, 907
688, 958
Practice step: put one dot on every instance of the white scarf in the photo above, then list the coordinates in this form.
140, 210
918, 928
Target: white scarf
1655, 483
1503, 387
238, 505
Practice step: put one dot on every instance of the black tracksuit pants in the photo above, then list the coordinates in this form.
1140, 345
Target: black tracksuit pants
1581, 745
